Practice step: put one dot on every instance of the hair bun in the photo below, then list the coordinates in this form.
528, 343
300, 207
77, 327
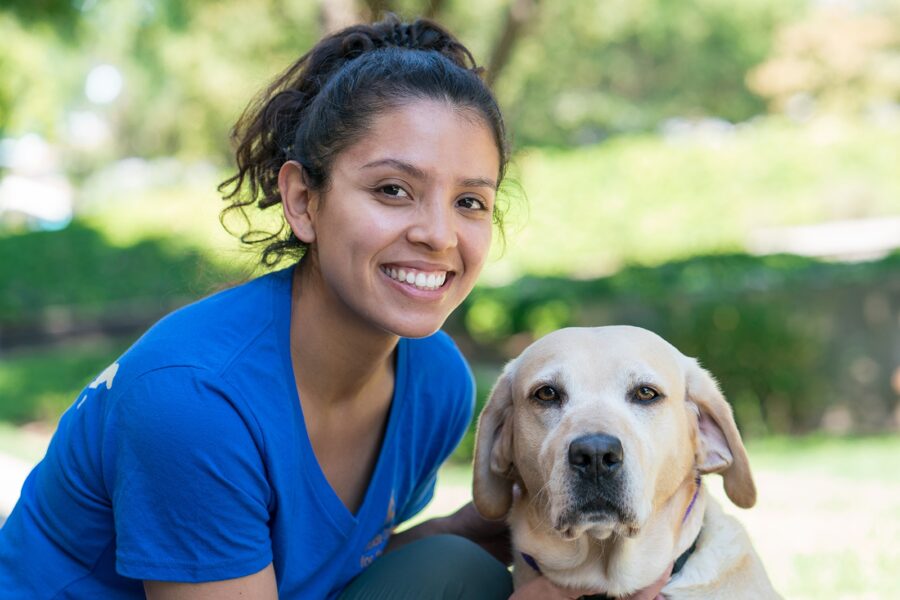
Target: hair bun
401, 35
356, 43
430, 36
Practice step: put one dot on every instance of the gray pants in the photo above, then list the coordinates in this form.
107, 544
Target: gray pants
445, 567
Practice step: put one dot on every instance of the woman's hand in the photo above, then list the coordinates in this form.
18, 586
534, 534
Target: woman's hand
493, 536
541, 588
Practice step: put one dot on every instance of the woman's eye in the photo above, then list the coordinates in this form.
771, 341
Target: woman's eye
645, 394
393, 190
472, 203
547, 394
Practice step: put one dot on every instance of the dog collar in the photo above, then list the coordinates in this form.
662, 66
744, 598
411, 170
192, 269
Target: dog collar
677, 566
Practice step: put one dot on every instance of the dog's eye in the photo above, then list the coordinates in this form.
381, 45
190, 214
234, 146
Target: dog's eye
545, 393
645, 393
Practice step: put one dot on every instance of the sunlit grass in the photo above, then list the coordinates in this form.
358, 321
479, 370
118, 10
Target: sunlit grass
39, 385
648, 200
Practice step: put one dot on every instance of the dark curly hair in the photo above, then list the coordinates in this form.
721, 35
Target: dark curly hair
326, 101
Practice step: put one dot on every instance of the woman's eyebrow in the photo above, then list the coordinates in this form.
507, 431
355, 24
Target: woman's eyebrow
479, 182
420, 174
397, 164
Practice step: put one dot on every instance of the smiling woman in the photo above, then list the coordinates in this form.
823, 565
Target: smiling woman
266, 441
404, 209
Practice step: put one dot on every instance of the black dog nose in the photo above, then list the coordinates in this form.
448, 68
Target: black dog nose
596, 455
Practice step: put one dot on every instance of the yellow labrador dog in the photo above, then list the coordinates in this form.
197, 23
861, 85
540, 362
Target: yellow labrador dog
592, 445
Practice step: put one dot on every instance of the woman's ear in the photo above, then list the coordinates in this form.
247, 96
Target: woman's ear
298, 201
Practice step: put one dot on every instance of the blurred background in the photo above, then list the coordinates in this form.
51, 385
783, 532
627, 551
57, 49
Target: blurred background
724, 173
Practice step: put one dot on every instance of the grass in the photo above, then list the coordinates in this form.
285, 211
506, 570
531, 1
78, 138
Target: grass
39, 385
827, 520
646, 200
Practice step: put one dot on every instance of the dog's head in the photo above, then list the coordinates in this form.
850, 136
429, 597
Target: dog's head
601, 425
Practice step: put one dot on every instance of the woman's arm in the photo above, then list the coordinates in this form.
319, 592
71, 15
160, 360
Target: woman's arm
493, 536
259, 586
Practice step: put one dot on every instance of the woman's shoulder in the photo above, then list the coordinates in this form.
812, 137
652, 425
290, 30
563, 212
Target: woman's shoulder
209, 329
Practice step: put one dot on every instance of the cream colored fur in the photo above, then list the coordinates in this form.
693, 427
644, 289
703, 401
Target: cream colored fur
522, 471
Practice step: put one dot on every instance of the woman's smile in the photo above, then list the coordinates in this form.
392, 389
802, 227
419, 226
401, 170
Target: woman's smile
425, 280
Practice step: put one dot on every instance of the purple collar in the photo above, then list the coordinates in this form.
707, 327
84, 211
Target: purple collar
693, 500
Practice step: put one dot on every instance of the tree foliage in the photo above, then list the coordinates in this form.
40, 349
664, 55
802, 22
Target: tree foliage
844, 60
566, 72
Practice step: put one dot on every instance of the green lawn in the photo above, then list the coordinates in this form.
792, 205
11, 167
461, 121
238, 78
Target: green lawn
39, 385
643, 199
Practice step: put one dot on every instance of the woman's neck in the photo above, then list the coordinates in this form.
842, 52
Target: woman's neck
337, 356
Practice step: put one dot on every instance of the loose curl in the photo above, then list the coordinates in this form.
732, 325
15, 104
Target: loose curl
326, 101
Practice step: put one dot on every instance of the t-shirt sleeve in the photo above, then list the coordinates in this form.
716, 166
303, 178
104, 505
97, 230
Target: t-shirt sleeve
187, 481
447, 435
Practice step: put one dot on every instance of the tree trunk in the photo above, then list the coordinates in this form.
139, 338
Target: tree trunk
336, 14
433, 8
519, 14
378, 8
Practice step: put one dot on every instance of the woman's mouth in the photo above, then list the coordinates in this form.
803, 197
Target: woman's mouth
423, 280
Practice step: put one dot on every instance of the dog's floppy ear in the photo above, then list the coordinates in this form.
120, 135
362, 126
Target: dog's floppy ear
719, 445
493, 469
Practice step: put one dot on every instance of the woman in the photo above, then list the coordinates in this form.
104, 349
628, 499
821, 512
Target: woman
267, 440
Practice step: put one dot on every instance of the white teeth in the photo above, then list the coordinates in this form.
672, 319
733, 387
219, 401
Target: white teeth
419, 279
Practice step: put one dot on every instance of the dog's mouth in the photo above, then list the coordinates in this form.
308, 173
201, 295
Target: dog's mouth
598, 515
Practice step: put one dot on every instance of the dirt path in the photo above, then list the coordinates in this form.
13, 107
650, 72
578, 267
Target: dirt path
13, 472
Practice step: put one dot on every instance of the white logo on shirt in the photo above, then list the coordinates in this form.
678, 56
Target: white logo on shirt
107, 376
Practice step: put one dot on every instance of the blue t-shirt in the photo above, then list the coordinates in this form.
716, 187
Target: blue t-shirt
188, 460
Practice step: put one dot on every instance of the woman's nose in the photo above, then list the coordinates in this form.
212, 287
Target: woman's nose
434, 226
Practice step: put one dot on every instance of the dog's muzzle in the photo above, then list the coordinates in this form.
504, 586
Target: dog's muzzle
596, 480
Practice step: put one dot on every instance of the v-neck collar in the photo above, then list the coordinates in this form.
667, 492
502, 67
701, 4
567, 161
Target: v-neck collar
342, 518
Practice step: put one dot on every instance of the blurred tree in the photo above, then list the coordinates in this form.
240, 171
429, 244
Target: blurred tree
62, 14
39, 73
591, 69
518, 15
566, 72
840, 58
337, 14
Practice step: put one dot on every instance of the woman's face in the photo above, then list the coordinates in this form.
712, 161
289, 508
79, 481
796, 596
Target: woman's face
402, 231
